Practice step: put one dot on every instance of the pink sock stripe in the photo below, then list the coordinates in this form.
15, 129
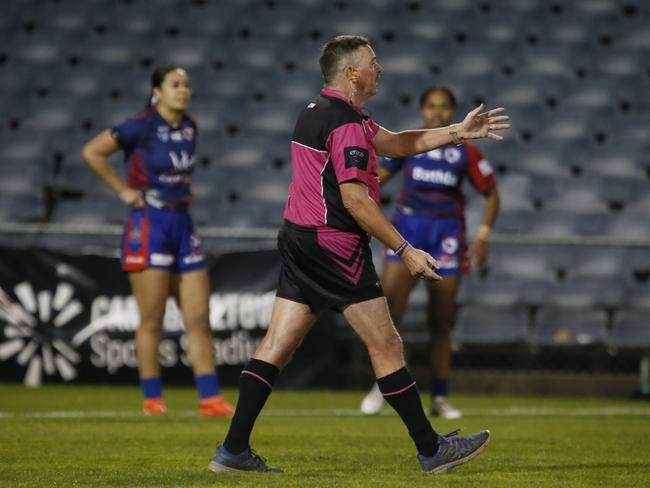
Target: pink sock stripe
399, 391
245, 371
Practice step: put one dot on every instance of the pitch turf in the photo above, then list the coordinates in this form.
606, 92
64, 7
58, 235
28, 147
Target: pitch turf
71, 436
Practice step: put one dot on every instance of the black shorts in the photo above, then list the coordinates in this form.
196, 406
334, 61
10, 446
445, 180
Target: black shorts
325, 268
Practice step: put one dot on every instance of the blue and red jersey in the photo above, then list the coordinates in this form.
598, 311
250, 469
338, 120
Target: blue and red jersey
433, 180
159, 158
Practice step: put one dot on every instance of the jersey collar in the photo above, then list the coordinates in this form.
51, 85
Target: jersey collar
328, 92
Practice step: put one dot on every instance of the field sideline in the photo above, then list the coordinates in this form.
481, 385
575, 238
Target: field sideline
69, 436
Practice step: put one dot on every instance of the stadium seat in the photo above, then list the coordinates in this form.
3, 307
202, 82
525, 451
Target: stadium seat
638, 297
38, 50
273, 188
561, 327
629, 225
578, 196
537, 161
615, 164
631, 329
534, 263
586, 293
477, 325
497, 293
90, 211
22, 208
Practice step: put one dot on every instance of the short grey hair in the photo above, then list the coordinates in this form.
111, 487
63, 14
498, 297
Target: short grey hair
337, 49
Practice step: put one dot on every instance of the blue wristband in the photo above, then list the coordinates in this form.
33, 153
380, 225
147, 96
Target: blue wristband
401, 248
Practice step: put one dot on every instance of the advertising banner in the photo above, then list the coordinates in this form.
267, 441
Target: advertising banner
73, 318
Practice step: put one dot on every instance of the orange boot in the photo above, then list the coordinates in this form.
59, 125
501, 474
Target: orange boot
216, 406
154, 406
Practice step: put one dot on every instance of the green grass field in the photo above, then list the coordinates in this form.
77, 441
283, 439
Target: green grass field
71, 436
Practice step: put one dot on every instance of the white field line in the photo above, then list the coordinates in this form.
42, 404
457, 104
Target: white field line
470, 412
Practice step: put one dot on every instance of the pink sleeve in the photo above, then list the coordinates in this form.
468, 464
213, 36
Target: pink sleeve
351, 152
479, 169
371, 128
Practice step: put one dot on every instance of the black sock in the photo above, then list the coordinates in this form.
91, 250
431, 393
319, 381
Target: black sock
255, 385
400, 391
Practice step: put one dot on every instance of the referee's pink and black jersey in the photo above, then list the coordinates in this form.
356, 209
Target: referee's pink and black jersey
332, 144
326, 258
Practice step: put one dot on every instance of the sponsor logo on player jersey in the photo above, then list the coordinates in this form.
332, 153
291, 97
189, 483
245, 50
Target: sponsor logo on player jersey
163, 133
433, 154
176, 136
183, 161
452, 155
437, 176
447, 262
484, 167
188, 133
135, 235
174, 178
195, 257
450, 245
159, 259
134, 259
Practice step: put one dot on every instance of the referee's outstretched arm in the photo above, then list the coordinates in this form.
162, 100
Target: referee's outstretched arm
476, 125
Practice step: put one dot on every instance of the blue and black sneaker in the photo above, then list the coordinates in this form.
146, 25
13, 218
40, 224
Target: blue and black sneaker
248, 460
454, 450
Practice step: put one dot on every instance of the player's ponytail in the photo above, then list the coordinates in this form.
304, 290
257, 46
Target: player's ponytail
157, 78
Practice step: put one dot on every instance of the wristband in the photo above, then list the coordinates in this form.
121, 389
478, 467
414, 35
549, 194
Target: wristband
401, 248
483, 232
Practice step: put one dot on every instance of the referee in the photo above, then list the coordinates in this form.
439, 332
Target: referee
330, 215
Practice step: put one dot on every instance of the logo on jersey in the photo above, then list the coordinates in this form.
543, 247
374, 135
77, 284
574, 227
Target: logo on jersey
356, 157
135, 235
182, 162
484, 167
447, 262
33, 331
188, 133
452, 155
436, 176
163, 133
433, 154
450, 245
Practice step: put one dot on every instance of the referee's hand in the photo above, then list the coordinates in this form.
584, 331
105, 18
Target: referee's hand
420, 264
478, 125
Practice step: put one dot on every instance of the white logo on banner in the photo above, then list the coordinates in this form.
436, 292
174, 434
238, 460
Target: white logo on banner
34, 326
239, 313
27, 327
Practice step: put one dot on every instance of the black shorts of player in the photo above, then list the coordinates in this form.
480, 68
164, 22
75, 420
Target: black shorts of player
313, 272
